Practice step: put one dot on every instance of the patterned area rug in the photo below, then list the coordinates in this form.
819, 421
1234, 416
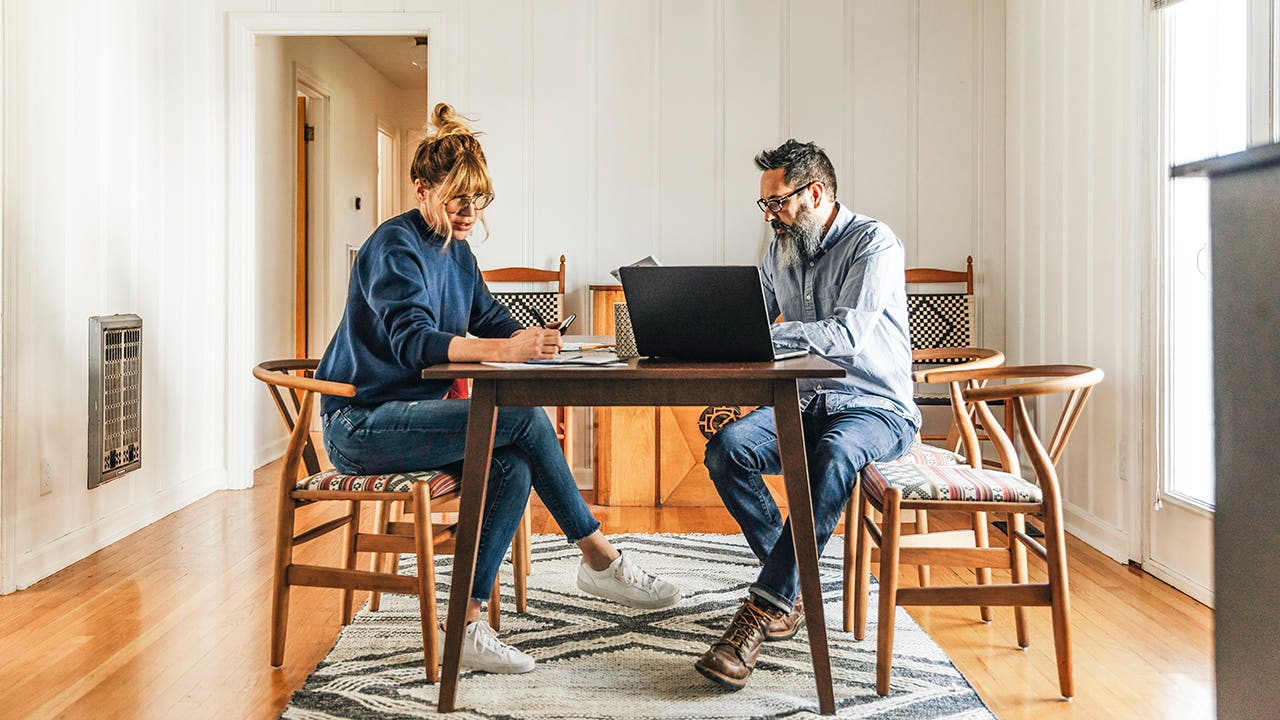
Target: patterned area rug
597, 659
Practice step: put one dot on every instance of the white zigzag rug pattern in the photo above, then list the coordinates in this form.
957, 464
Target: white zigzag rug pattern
598, 659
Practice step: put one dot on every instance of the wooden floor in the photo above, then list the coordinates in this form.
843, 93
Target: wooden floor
173, 621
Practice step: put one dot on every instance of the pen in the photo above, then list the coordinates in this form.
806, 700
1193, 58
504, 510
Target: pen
536, 315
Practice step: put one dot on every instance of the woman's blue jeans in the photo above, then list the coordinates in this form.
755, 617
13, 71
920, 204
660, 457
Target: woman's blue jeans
839, 444
403, 436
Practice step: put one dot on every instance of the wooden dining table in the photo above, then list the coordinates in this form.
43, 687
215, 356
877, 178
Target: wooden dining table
639, 382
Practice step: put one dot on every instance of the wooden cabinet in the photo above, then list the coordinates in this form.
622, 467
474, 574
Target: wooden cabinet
647, 456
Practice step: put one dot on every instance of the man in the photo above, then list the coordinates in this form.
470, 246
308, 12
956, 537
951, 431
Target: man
838, 280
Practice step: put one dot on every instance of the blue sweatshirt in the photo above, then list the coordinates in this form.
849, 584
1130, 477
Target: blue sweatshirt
409, 296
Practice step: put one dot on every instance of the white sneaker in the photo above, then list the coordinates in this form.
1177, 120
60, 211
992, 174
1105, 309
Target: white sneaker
482, 650
625, 582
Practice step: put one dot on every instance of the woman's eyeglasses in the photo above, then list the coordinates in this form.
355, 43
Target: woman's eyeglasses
456, 203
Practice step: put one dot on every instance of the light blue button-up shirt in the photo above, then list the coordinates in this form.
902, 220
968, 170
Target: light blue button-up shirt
848, 303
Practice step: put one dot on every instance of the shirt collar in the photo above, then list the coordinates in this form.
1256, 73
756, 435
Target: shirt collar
844, 217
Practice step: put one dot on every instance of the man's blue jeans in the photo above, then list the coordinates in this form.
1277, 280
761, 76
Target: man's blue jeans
402, 436
839, 445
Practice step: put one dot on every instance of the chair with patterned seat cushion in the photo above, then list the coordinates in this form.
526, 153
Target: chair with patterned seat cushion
971, 358
428, 494
892, 488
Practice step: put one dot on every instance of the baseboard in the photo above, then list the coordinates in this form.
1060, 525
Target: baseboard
41, 562
1101, 536
270, 452
1179, 582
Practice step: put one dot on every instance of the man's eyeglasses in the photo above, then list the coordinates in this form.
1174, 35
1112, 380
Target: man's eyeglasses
479, 202
775, 204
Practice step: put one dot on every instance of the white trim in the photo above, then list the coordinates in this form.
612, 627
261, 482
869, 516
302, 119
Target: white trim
1180, 582
443, 52
45, 560
1096, 532
270, 452
8, 358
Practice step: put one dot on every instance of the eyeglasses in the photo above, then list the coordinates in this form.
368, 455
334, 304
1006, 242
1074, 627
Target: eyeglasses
479, 202
775, 204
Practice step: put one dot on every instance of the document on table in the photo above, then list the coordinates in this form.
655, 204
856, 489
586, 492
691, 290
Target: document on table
584, 359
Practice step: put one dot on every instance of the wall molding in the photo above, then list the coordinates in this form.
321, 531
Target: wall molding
44, 560
8, 318
1094, 531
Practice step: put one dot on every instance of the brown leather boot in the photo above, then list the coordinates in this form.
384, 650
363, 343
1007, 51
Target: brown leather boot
786, 626
731, 659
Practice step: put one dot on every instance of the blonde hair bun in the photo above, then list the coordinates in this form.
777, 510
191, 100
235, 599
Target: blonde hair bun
446, 121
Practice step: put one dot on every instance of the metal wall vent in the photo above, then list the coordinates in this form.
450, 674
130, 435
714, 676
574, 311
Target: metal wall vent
115, 397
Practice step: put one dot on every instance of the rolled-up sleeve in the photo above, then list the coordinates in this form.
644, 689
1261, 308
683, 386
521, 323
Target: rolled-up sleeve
860, 303
396, 291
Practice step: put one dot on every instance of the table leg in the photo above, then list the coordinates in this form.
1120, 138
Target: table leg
795, 472
481, 423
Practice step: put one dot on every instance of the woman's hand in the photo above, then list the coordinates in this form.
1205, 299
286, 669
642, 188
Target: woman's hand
531, 343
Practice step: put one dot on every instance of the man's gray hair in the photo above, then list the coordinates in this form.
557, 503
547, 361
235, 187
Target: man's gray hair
803, 163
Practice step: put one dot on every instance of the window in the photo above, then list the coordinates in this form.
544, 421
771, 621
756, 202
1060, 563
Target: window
1206, 106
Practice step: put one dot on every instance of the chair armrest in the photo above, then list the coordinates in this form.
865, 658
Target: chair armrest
976, 358
277, 373
1051, 379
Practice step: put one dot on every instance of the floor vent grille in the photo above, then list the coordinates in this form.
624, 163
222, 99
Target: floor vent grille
115, 397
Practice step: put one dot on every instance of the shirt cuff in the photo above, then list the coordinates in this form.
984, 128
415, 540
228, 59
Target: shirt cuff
437, 347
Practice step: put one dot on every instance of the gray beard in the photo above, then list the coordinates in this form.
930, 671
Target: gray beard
798, 242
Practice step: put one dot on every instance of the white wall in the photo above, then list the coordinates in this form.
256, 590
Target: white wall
614, 130
114, 196
1079, 243
359, 96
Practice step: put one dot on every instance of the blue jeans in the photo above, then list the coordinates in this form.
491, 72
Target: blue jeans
838, 445
401, 436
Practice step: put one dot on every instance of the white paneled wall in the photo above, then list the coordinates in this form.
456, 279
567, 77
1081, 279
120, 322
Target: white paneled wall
114, 203
614, 130
1078, 238
633, 132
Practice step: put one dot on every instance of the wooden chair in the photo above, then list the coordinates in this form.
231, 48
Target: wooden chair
893, 488
923, 454
942, 320
426, 493
550, 305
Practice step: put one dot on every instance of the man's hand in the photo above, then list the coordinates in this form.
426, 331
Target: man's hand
531, 343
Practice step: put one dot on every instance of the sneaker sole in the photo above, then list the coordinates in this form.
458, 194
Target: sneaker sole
719, 679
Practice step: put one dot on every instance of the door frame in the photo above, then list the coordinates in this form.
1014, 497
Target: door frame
444, 54
8, 356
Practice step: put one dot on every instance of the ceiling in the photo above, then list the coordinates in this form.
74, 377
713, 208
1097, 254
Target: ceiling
391, 56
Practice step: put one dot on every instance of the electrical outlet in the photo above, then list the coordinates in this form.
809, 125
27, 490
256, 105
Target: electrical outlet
46, 478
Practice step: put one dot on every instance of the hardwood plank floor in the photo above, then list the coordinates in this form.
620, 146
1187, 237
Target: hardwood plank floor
173, 622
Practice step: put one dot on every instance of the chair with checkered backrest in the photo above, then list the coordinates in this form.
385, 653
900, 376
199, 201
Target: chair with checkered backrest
550, 305
943, 320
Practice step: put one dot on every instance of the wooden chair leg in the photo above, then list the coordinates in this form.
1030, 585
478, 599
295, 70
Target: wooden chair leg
862, 571
1018, 569
280, 581
425, 546
528, 533
566, 428
889, 533
1058, 590
520, 554
982, 539
495, 604
922, 528
353, 527
851, 525
381, 517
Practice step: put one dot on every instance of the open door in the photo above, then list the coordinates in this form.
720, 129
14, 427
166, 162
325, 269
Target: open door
301, 318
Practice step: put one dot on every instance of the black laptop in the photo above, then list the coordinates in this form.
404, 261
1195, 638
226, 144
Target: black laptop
704, 313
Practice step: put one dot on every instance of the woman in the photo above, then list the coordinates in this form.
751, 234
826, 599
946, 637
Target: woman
415, 294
